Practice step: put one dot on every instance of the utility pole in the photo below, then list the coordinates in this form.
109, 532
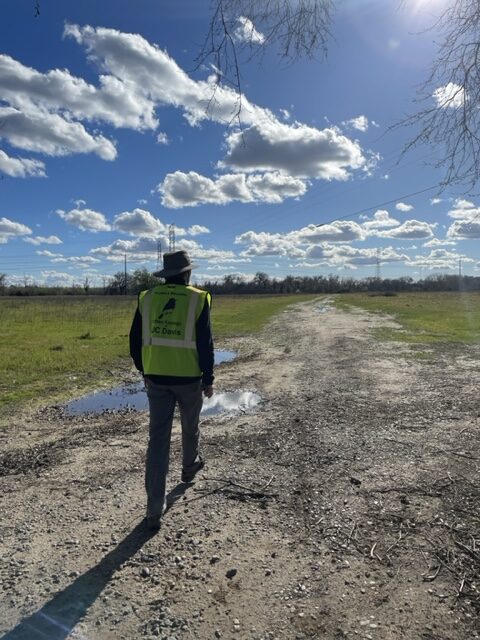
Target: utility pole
171, 238
125, 275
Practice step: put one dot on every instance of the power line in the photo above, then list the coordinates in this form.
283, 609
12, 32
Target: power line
380, 204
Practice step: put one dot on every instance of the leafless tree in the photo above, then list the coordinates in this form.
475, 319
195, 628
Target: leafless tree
241, 29
448, 117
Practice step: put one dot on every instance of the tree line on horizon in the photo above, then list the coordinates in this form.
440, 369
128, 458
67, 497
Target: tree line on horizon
141, 279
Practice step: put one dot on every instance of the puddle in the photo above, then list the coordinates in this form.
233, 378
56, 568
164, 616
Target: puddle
224, 356
325, 306
231, 402
133, 397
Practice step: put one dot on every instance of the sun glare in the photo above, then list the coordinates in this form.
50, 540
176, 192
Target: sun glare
420, 6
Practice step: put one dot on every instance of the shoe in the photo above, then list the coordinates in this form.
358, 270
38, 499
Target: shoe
188, 476
153, 522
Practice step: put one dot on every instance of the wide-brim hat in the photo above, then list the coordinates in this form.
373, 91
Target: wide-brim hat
175, 263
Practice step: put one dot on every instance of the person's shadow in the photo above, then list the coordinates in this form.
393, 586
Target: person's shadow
56, 619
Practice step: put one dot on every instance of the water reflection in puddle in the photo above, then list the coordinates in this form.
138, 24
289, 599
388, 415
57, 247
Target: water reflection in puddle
325, 306
133, 397
231, 402
224, 356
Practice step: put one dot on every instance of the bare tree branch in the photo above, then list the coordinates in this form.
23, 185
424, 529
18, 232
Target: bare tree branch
246, 28
448, 118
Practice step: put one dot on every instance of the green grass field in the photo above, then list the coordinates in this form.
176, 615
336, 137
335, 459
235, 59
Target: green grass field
424, 317
53, 347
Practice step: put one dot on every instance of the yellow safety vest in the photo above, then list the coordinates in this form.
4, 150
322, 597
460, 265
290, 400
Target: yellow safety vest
169, 316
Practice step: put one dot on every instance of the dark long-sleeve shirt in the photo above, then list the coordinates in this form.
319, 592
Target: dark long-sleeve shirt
205, 350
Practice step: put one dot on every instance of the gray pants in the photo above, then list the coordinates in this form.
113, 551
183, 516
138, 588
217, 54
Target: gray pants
162, 400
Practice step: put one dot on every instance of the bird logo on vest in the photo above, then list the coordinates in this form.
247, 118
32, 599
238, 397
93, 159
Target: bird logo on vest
168, 308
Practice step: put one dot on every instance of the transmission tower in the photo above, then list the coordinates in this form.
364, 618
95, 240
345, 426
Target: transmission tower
159, 254
171, 238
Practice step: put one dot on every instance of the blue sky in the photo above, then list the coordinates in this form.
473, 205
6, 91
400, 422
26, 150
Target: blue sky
105, 141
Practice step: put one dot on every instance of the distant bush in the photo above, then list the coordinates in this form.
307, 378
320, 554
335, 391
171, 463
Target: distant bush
386, 294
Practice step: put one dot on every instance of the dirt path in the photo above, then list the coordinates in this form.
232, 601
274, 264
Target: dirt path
347, 507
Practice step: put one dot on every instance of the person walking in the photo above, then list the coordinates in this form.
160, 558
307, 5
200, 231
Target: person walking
171, 344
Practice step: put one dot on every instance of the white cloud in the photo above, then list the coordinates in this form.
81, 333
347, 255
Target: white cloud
114, 101
56, 278
59, 258
294, 244
10, 229
438, 259
150, 72
401, 206
234, 259
381, 220
197, 229
45, 111
220, 267
51, 134
246, 32
140, 248
48, 254
464, 229
36, 240
198, 252
435, 200
145, 249
275, 187
437, 242
346, 256
85, 219
21, 167
466, 223
210, 277
162, 138
139, 223
180, 189
360, 123
410, 229
464, 210
79, 261
339, 231
310, 265
268, 244
449, 96
297, 150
